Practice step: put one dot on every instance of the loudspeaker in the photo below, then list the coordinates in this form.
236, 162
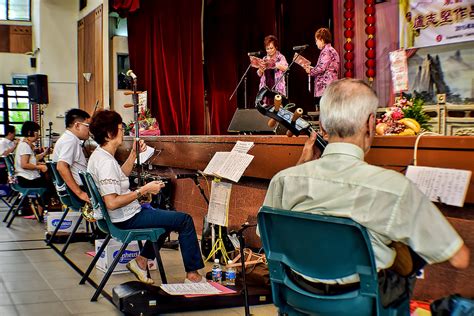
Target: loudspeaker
250, 121
38, 89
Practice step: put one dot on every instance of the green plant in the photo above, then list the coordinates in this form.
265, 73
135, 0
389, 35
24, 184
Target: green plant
415, 111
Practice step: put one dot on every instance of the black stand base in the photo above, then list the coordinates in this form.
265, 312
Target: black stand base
136, 298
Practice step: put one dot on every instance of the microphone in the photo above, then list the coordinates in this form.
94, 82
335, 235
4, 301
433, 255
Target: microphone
255, 54
187, 175
300, 47
131, 74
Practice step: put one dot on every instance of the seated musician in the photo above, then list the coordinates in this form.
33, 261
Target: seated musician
68, 153
390, 206
122, 204
29, 171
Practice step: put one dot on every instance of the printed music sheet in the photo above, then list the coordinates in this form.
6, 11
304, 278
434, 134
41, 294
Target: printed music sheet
229, 165
242, 147
189, 288
219, 200
448, 186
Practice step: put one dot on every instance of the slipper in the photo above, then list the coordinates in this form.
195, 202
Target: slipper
141, 274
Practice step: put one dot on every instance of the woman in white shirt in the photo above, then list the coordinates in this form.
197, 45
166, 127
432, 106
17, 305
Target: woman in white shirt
122, 204
28, 171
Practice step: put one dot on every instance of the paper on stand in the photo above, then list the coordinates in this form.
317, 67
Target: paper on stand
229, 165
448, 186
242, 147
144, 156
219, 203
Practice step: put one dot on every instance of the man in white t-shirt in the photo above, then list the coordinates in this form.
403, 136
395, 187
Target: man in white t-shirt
68, 152
8, 144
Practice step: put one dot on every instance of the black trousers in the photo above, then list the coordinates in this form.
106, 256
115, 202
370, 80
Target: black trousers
393, 287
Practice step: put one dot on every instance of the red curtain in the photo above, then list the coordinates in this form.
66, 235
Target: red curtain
231, 29
164, 42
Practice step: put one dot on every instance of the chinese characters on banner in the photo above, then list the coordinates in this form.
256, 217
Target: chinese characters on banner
435, 22
399, 70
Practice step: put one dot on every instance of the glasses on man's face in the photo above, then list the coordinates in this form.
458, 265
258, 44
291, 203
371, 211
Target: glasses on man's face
84, 124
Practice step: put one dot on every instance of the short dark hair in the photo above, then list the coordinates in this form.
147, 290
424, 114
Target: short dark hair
29, 128
271, 39
9, 129
104, 124
324, 35
74, 115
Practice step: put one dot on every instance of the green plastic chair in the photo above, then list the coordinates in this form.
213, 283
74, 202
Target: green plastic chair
68, 199
125, 236
321, 247
23, 193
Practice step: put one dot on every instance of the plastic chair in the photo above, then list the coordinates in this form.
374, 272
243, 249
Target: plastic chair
23, 193
125, 236
68, 199
321, 247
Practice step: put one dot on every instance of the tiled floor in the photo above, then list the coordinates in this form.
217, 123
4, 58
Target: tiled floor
35, 280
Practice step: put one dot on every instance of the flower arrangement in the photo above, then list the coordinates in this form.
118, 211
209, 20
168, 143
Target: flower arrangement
148, 126
405, 118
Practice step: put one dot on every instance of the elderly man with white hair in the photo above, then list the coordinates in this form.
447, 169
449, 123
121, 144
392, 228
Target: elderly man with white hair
342, 184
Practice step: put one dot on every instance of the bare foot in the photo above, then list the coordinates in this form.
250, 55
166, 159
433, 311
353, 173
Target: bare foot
193, 276
141, 261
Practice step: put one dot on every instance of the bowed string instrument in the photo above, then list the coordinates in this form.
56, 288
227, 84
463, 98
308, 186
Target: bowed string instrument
295, 124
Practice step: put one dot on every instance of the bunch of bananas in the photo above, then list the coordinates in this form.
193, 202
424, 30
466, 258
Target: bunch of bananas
412, 127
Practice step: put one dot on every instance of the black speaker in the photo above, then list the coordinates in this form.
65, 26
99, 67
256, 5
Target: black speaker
250, 121
38, 89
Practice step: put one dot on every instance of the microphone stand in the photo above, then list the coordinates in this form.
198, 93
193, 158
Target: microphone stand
243, 78
287, 69
137, 129
242, 261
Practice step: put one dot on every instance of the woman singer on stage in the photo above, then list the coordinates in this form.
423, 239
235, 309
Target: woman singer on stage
327, 68
122, 204
273, 67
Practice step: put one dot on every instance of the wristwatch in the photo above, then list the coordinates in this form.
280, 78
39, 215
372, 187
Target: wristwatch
139, 194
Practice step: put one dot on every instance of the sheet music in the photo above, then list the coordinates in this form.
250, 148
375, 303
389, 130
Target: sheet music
219, 203
217, 160
242, 147
235, 166
300, 60
144, 156
189, 288
448, 186
229, 165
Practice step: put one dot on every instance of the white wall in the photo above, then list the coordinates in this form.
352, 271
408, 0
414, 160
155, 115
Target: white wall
57, 39
14, 64
55, 33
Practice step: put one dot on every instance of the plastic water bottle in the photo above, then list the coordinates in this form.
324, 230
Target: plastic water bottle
230, 274
217, 271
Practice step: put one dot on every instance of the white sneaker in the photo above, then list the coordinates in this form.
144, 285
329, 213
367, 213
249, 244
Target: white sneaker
141, 274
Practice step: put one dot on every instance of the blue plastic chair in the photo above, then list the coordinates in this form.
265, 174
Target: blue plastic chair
125, 236
68, 199
23, 193
321, 247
